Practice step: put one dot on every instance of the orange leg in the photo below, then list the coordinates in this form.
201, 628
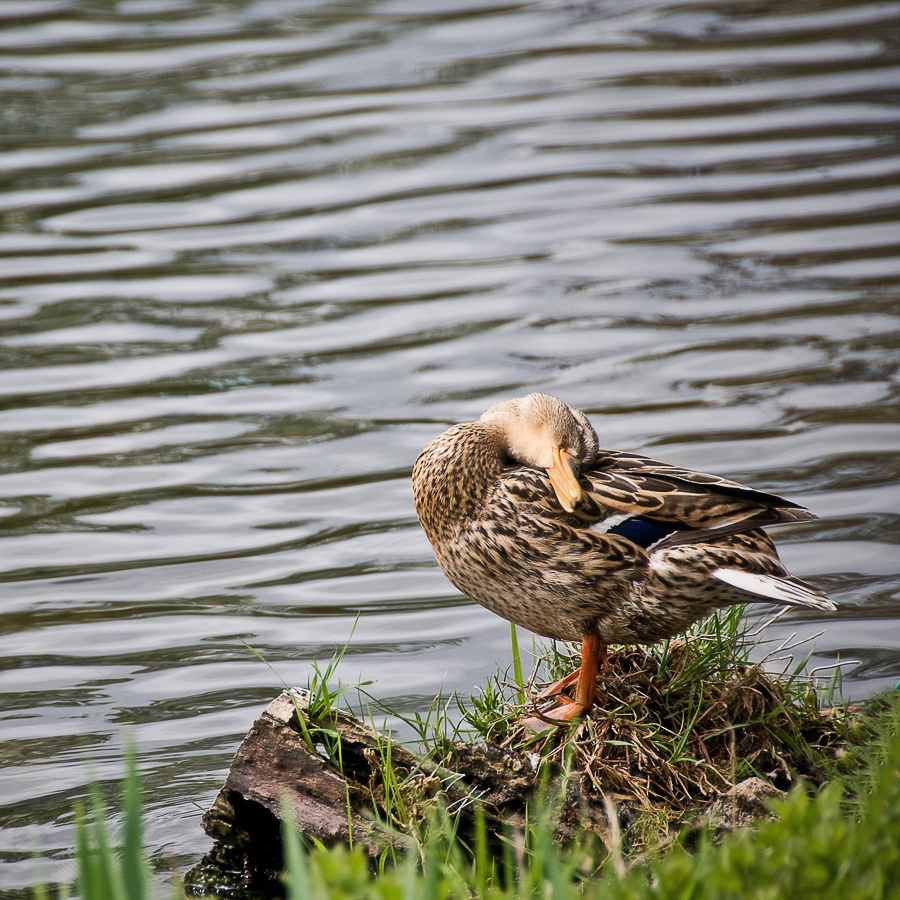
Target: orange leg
593, 656
586, 687
572, 677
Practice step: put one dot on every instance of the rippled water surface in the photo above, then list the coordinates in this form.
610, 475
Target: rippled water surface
254, 255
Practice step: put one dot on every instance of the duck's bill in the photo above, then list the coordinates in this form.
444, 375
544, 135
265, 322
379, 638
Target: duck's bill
564, 478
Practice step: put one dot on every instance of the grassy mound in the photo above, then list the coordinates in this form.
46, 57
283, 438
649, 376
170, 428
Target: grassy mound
678, 725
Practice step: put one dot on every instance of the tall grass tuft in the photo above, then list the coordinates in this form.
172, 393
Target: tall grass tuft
107, 872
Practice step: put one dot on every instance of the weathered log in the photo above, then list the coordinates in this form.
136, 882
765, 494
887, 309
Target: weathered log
339, 796
275, 773
275, 770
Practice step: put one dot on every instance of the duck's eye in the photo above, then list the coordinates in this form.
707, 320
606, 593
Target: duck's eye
582, 442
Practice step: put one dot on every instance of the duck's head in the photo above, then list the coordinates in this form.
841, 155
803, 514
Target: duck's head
544, 432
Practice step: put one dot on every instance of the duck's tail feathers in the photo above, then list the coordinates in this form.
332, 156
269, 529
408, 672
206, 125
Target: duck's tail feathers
772, 589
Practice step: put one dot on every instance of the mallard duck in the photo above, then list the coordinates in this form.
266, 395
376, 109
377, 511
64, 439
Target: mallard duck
529, 518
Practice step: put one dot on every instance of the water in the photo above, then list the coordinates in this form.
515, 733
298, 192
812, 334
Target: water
254, 255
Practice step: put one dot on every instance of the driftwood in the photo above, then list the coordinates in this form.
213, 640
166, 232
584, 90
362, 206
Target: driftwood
276, 775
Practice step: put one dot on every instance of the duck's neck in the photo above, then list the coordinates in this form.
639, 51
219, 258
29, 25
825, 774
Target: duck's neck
454, 474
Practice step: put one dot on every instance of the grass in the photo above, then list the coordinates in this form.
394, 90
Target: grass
838, 843
677, 724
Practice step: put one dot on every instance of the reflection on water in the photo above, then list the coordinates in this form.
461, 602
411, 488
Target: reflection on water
254, 256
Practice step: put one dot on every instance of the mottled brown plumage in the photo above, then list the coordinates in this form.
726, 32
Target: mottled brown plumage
528, 518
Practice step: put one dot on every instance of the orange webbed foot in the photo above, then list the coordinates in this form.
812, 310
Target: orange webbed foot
593, 657
560, 685
555, 716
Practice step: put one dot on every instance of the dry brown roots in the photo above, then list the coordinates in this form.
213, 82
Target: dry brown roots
663, 739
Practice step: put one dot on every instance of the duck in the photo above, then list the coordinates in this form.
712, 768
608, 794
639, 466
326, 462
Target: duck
528, 517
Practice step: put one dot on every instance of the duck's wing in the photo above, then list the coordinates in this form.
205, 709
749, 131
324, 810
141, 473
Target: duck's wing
655, 506
658, 504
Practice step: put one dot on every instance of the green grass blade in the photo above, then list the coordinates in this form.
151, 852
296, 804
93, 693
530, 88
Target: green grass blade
99, 877
135, 871
296, 867
517, 662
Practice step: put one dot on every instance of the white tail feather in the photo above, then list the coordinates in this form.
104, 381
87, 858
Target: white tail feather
773, 589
